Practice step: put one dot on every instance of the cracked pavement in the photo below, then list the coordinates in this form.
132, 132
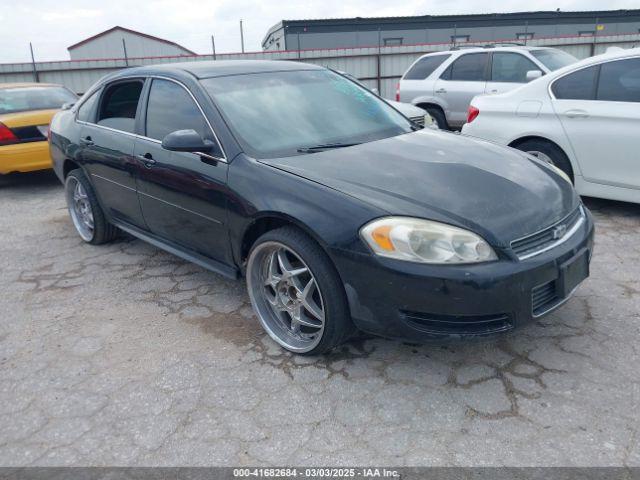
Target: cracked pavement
123, 355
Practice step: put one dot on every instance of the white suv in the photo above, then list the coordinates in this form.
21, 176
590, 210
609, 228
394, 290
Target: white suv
444, 83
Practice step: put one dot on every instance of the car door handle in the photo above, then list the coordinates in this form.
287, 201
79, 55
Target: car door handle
147, 159
441, 90
86, 141
576, 114
494, 91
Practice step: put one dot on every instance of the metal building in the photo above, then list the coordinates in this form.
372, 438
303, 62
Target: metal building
453, 29
120, 42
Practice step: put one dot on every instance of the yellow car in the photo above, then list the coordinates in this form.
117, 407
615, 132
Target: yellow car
26, 110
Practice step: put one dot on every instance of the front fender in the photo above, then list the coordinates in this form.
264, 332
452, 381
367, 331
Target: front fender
332, 218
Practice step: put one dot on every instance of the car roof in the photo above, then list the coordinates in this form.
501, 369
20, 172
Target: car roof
603, 57
27, 84
488, 48
221, 68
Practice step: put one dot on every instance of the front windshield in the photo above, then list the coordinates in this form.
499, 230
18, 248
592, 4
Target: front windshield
554, 59
21, 99
280, 113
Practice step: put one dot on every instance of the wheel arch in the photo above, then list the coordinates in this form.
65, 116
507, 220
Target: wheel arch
267, 221
67, 166
520, 140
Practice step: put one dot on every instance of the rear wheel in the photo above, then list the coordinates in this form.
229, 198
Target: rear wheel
85, 211
547, 152
296, 292
439, 117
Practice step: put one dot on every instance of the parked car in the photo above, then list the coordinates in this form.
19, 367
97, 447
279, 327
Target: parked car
338, 210
584, 119
25, 112
444, 83
417, 115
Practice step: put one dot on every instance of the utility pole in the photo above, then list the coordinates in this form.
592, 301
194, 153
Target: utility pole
33, 64
213, 46
124, 48
241, 36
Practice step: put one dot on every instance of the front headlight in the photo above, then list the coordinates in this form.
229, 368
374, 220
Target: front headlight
425, 241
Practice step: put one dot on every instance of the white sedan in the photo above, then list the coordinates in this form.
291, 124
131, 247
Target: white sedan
584, 119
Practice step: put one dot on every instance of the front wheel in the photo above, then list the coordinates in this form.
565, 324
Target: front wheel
84, 209
297, 293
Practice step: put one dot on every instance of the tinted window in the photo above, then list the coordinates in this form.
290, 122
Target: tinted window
511, 67
22, 99
87, 111
579, 85
620, 81
470, 67
425, 67
171, 108
554, 59
119, 105
277, 113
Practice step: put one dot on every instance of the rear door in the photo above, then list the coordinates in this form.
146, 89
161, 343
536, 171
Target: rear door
508, 71
465, 78
183, 195
107, 139
417, 81
599, 108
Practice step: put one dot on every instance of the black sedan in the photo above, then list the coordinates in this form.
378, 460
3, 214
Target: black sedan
340, 212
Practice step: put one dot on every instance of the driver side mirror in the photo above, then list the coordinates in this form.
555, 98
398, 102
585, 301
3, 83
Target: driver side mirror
533, 74
188, 141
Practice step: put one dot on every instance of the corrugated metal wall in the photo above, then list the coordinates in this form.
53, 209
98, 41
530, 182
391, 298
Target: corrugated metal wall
376, 67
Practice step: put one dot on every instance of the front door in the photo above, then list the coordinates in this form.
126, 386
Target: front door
183, 195
508, 71
107, 140
464, 79
603, 125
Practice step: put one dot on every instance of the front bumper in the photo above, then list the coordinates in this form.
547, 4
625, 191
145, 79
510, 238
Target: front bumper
24, 157
420, 303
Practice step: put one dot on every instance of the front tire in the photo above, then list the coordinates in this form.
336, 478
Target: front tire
85, 211
297, 293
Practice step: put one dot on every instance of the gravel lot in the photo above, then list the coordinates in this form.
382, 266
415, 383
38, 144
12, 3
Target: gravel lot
125, 355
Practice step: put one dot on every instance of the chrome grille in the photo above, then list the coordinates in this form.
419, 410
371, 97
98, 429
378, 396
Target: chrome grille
549, 237
418, 120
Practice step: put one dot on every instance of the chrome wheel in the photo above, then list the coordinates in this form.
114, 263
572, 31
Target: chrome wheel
79, 208
286, 296
542, 156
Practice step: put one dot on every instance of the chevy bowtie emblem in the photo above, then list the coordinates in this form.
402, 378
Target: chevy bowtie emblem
559, 231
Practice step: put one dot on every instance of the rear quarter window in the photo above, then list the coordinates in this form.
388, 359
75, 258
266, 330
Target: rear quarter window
425, 67
580, 85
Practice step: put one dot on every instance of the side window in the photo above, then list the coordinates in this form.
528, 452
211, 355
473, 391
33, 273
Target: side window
171, 108
620, 81
425, 67
511, 67
87, 111
469, 68
580, 85
119, 105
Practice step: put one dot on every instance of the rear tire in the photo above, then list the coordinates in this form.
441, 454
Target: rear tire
439, 117
547, 152
296, 292
85, 211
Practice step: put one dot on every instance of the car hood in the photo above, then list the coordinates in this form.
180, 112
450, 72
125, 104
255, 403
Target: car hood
495, 191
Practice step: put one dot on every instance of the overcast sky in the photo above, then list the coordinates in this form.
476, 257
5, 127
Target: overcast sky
53, 25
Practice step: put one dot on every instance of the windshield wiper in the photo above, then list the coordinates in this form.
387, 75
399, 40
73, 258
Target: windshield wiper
326, 146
